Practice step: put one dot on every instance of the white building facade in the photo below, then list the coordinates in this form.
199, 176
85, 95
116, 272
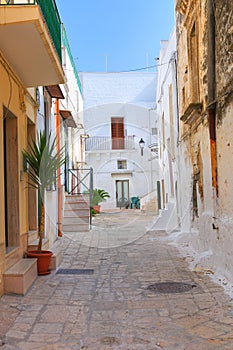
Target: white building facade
60, 114
166, 99
119, 111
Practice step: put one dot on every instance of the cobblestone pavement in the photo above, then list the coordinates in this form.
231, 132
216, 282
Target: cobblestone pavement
112, 308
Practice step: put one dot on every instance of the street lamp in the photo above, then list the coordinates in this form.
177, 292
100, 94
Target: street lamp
142, 145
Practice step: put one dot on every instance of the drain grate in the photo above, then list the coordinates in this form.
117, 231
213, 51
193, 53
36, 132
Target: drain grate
75, 272
170, 287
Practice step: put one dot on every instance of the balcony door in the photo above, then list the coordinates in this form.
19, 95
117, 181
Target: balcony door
122, 192
117, 129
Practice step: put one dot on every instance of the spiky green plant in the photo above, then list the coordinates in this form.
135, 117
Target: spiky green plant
44, 161
99, 195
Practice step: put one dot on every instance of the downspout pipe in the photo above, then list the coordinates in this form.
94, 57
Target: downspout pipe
211, 107
59, 192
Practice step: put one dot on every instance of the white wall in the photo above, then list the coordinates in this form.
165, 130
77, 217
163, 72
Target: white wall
168, 125
72, 102
131, 96
105, 88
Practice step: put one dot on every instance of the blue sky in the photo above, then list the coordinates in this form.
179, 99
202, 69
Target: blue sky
116, 35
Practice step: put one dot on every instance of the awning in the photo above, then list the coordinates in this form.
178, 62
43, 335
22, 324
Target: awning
68, 118
55, 91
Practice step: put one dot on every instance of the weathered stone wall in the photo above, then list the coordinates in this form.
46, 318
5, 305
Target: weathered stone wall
224, 50
208, 217
224, 97
192, 92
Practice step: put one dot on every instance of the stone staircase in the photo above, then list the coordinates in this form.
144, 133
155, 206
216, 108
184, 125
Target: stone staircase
20, 275
76, 217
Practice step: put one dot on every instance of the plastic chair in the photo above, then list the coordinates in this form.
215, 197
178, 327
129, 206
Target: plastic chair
124, 202
134, 202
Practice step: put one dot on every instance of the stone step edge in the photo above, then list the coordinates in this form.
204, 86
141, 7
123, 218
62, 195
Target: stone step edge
19, 277
33, 245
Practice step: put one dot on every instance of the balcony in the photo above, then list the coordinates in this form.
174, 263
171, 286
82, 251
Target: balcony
30, 40
106, 143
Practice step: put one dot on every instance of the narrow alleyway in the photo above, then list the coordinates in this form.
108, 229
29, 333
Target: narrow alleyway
101, 300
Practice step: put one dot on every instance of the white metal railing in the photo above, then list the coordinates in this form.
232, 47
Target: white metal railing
104, 143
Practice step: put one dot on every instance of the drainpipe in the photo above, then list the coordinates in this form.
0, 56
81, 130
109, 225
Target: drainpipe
59, 193
211, 108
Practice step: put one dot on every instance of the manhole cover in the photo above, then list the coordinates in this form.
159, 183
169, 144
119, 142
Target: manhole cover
75, 272
110, 341
170, 287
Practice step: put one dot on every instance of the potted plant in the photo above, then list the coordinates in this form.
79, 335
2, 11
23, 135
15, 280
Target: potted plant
43, 161
98, 196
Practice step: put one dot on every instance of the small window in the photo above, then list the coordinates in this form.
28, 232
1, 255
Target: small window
154, 131
121, 164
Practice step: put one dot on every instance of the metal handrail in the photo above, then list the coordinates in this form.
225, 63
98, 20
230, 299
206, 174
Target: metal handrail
81, 182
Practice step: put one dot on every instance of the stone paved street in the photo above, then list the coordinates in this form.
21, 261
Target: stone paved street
112, 307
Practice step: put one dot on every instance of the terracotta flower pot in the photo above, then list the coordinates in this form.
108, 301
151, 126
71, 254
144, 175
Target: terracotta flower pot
43, 260
96, 208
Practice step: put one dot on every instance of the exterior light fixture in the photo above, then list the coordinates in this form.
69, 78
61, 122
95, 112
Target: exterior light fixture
142, 145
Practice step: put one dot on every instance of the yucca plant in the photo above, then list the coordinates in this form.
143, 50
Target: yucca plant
99, 195
43, 160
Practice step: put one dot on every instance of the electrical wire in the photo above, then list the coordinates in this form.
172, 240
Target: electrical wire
143, 68
130, 70
165, 78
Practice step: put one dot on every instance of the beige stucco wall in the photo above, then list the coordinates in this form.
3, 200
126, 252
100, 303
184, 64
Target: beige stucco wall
14, 97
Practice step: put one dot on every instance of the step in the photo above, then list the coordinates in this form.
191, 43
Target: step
77, 212
77, 199
56, 258
19, 278
32, 236
33, 245
76, 227
75, 220
77, 205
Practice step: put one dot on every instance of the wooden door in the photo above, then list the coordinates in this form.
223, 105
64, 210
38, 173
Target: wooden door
117, 129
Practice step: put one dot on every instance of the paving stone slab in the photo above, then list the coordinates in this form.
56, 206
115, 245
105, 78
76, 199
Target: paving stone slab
113, 309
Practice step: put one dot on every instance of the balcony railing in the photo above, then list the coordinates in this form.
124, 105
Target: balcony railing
51, 16
106, 143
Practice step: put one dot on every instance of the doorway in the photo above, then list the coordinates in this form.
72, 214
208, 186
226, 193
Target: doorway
11, 180
117, 130
163, 195
122, 193
32, 192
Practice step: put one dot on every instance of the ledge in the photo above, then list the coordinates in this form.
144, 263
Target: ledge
120, 172
192, 112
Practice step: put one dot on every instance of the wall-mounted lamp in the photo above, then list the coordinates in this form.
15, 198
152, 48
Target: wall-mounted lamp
80, 164
142, 145
85, 136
